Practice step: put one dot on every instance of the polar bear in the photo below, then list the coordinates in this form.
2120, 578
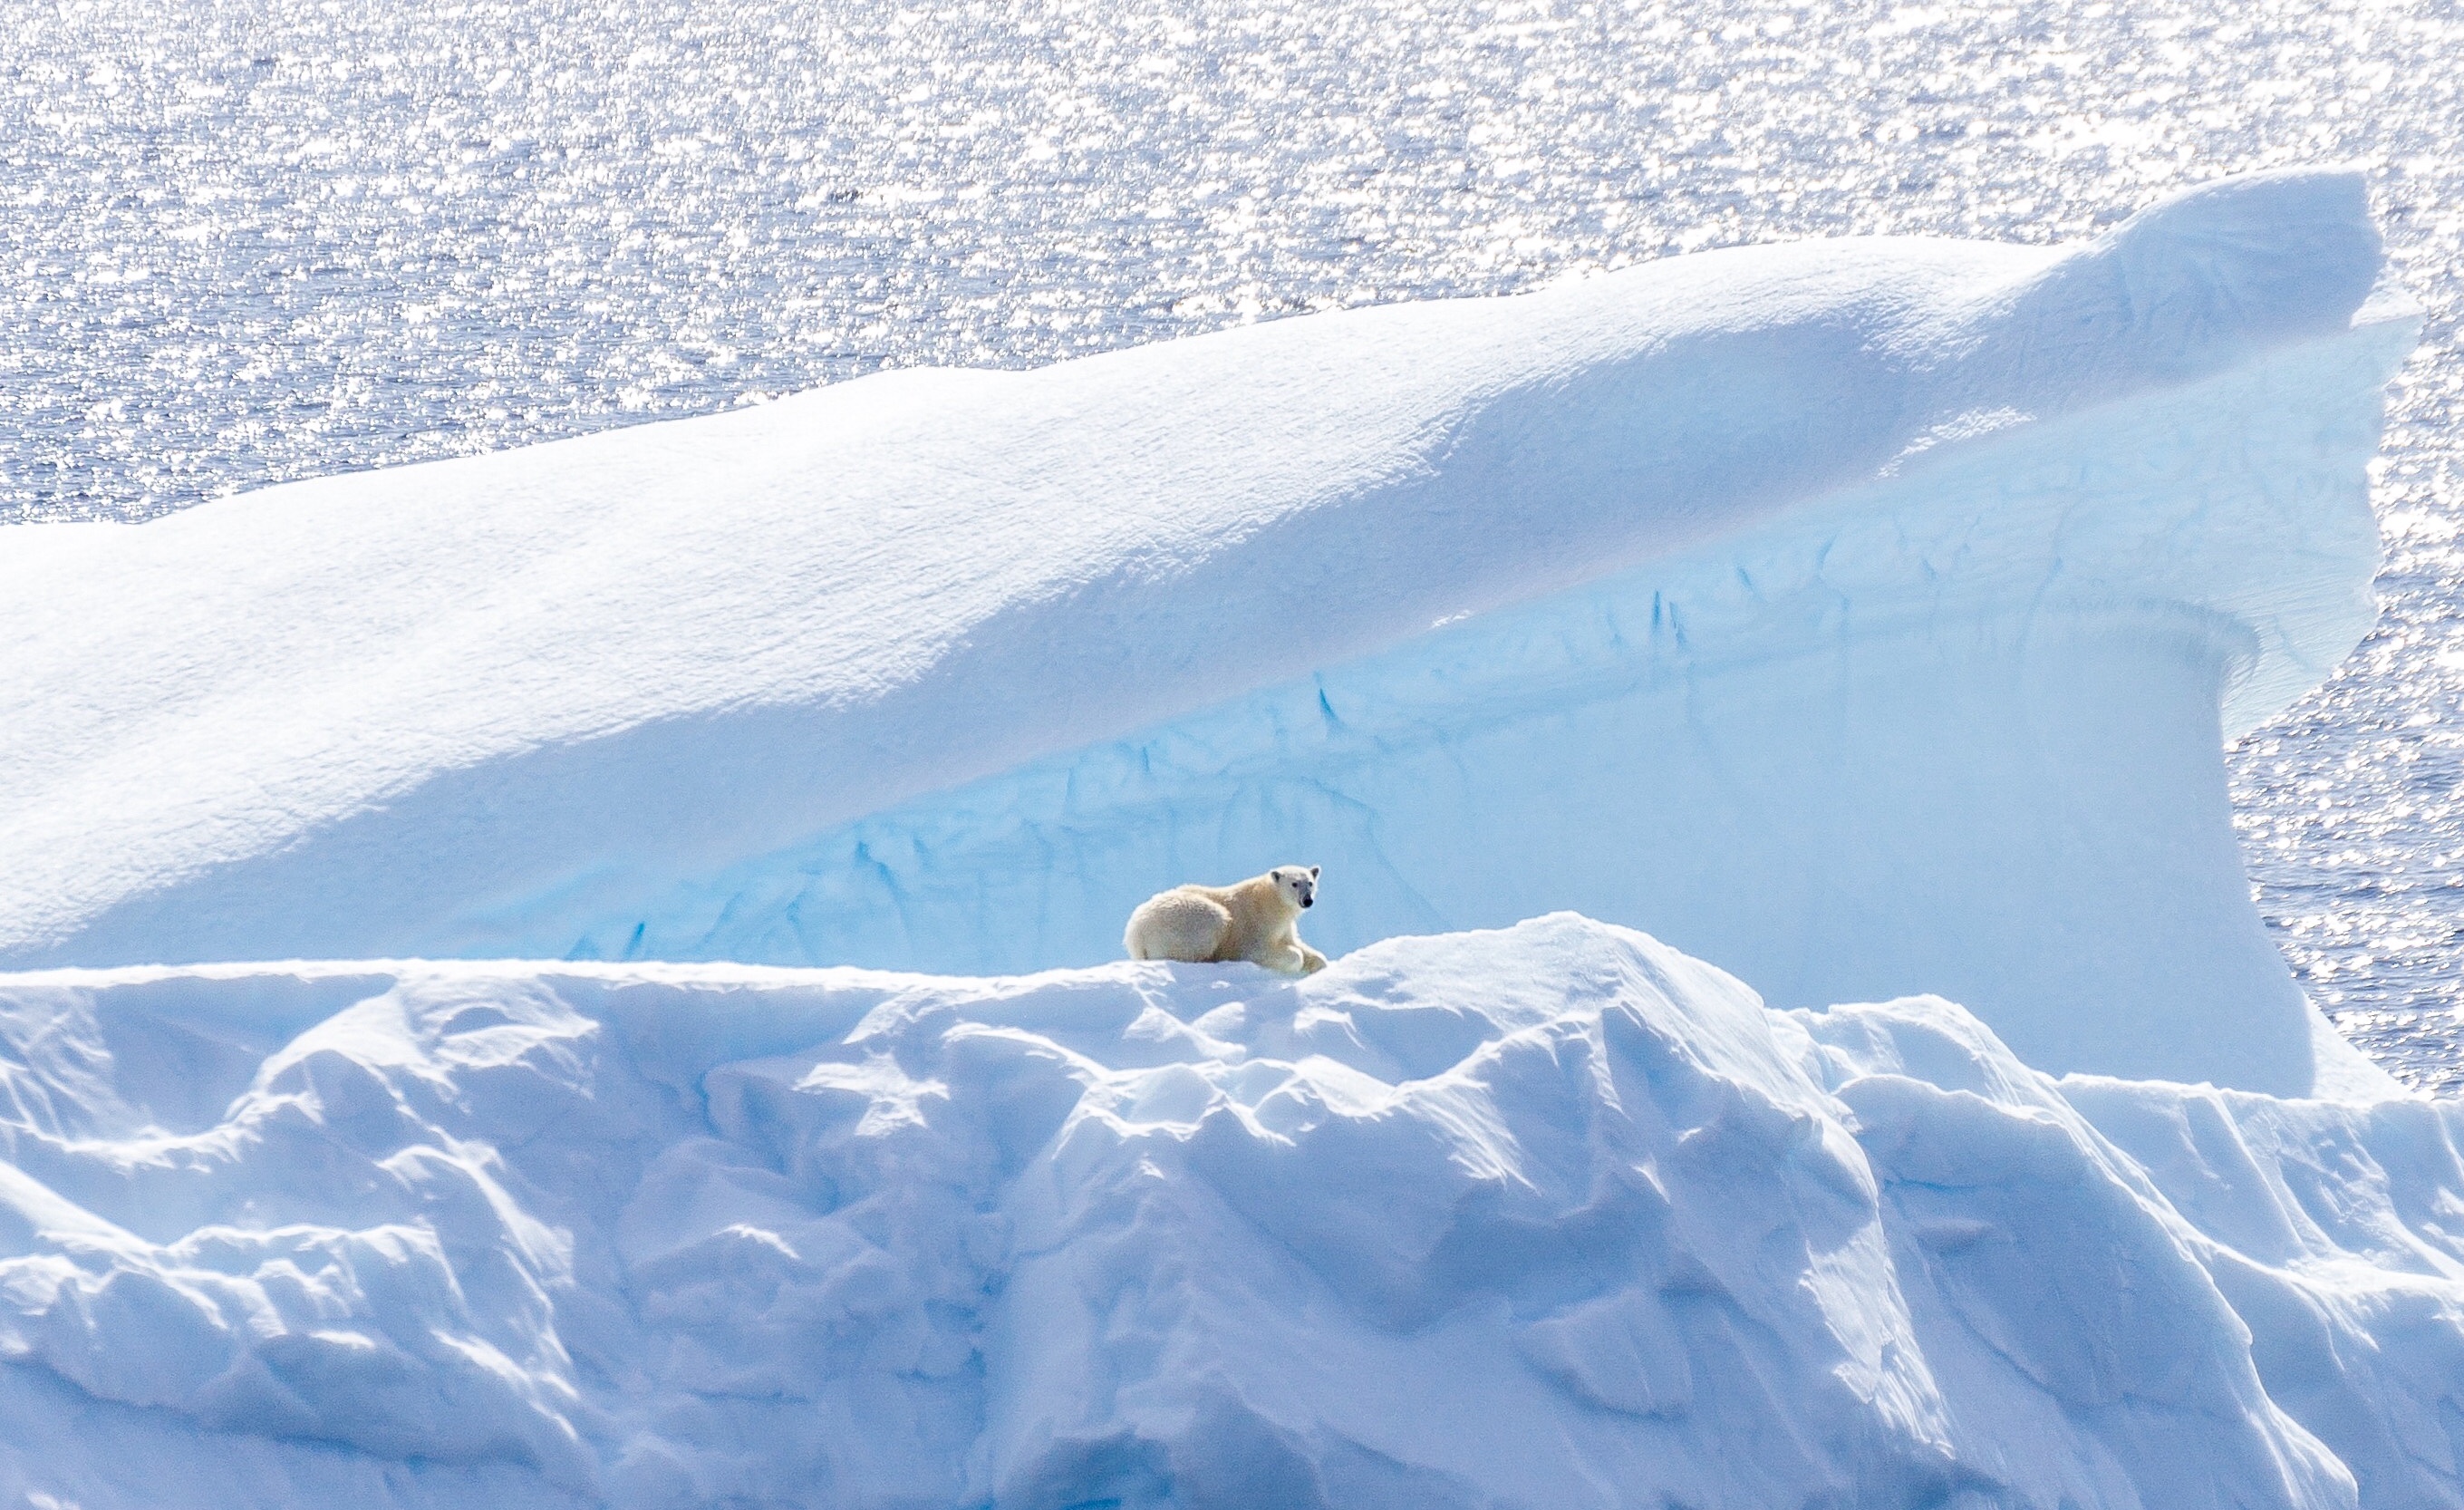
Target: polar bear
1252, 920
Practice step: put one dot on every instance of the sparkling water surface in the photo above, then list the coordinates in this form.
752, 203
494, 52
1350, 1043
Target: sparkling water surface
243, 241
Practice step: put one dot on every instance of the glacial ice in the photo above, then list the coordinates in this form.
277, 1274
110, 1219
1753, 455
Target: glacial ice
1553, 1216
1864, 615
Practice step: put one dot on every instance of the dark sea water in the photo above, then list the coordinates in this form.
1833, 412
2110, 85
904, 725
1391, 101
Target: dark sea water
243, 242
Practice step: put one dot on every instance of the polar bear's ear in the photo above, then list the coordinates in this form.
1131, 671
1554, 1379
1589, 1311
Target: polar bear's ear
1313, 873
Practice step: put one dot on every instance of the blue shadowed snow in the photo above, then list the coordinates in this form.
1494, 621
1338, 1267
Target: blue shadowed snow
1553, 1216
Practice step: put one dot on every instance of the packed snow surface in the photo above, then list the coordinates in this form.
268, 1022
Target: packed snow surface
1859, 614
1549, 1217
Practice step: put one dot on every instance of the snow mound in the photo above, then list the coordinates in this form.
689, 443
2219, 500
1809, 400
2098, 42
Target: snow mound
1886, 594
1554, 1217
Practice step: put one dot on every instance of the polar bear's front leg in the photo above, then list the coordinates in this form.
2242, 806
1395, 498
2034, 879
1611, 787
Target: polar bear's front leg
1284, 959
1294, 957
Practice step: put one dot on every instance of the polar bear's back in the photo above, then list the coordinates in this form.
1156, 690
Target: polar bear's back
1190, 924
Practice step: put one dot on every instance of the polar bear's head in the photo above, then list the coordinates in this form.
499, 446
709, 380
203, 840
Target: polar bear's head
1296, 884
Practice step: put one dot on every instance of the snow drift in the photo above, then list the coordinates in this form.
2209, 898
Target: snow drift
1859, 614
1554, 1217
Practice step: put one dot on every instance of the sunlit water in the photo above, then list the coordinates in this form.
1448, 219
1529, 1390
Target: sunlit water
254, 241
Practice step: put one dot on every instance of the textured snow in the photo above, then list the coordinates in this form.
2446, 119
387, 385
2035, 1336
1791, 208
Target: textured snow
1554, 1217
1858, 614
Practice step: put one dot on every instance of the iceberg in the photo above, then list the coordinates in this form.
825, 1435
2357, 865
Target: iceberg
1550, 1216
1865, 616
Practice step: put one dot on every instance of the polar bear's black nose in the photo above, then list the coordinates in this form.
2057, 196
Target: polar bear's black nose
1309, 902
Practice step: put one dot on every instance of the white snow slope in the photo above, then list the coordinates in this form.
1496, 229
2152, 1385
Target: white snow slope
1553, 1218
1860, 614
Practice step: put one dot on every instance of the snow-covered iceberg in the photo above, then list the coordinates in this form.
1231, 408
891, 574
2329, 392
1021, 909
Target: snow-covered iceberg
1859, 614
1551, 1217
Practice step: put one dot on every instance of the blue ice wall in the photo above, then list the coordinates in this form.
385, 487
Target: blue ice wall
1958, 731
